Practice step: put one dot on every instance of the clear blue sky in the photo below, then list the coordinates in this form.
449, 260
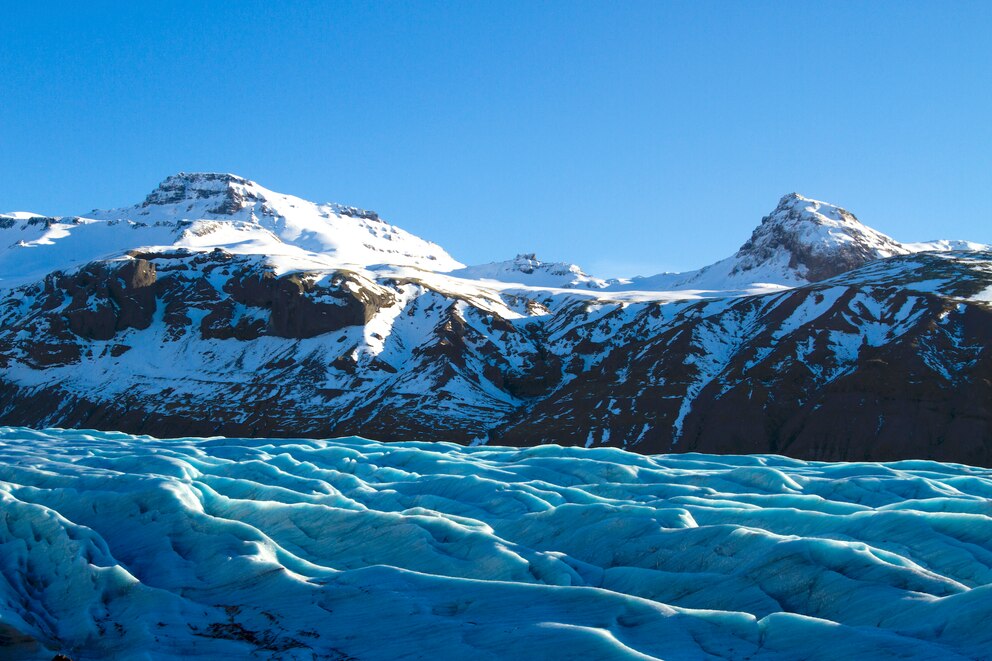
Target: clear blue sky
626, 137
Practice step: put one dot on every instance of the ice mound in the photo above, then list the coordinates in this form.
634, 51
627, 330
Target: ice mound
114, 546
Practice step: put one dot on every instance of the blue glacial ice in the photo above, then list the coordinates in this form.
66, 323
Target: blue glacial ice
121, 547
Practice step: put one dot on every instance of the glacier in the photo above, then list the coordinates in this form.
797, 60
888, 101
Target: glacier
115, 546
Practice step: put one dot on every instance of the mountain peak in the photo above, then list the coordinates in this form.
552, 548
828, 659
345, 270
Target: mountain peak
791, 198
802, 240
205, 211
799, 208
232, 192
814, 239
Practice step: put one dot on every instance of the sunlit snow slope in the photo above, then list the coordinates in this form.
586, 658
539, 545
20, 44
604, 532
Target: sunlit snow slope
120, 547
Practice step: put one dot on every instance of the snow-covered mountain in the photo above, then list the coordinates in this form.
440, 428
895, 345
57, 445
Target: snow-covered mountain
218, 306
204, 211
800, 242
122, 547
526, 269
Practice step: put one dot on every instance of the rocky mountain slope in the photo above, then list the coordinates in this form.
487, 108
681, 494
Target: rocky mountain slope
217, 306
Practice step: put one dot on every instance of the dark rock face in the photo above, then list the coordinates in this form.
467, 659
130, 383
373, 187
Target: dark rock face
104, 300
355, 212
227, 188
889, 361
787, 393
299, 308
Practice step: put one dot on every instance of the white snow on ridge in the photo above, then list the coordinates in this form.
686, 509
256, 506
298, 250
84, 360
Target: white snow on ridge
206, 211
349, 235
31, 248
22, 215
774, 275
944, 245
984, 296
526, 269
114, 546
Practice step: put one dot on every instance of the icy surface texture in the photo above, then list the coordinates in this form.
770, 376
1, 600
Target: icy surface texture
114, 546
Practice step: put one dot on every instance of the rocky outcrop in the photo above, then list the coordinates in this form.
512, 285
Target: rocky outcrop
102, 300
232, 193
298, 307
105, 299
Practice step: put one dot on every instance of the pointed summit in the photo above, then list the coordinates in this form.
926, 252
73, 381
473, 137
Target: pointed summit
801, 241
813, 239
